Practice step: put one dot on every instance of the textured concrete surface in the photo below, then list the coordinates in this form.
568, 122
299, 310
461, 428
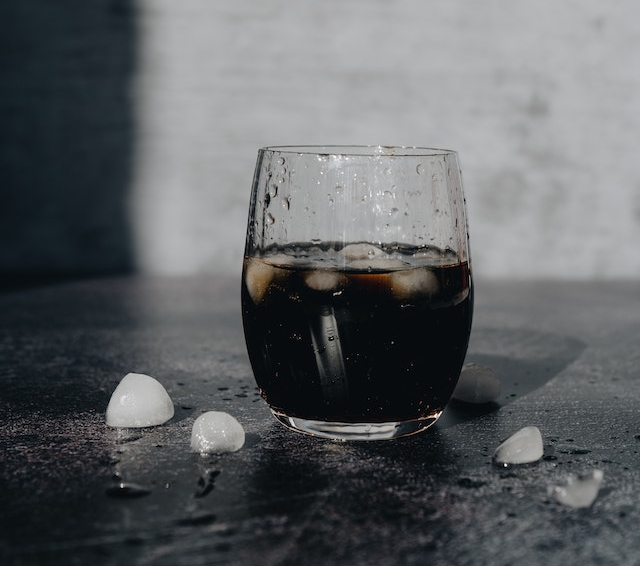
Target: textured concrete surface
566, 354
130, 128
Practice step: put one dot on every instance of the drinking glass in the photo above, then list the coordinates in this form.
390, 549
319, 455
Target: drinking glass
356, 287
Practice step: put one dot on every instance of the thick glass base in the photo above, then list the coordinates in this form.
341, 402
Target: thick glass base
357, 431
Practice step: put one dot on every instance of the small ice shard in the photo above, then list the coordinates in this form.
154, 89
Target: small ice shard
139, 401
324, 280
359, 251
580, 491
215, 432
523, 447
477, 384
409, 283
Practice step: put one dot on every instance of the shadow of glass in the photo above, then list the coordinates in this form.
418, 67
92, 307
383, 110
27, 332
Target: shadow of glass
524, 361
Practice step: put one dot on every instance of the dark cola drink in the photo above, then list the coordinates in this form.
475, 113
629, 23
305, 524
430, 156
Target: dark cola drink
358, 335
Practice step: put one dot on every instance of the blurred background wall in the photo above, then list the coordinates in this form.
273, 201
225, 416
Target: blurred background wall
129, 129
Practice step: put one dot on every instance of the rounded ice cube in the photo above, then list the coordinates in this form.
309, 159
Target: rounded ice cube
215, 432
139, 401
523, 447
477, 384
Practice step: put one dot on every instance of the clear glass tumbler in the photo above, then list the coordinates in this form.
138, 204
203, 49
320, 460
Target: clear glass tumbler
357, 293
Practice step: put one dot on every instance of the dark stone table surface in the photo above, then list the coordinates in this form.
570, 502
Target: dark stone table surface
568, 355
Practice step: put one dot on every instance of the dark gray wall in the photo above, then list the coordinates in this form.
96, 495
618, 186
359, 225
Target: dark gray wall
66, 138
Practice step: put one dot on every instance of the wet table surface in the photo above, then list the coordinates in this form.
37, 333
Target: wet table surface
568, 355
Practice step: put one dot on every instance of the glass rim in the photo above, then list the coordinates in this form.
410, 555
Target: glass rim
360, 150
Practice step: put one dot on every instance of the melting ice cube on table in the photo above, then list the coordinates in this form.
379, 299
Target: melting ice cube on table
523, 447
477, 384
580, 491
215, 432
139, 401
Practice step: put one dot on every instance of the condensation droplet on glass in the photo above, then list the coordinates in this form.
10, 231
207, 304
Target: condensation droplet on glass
393, 211
269, 219
286, 203
280, 180
323, 157
387, 171
280, 160
273, 190
388, 193
419, 169
339, 189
